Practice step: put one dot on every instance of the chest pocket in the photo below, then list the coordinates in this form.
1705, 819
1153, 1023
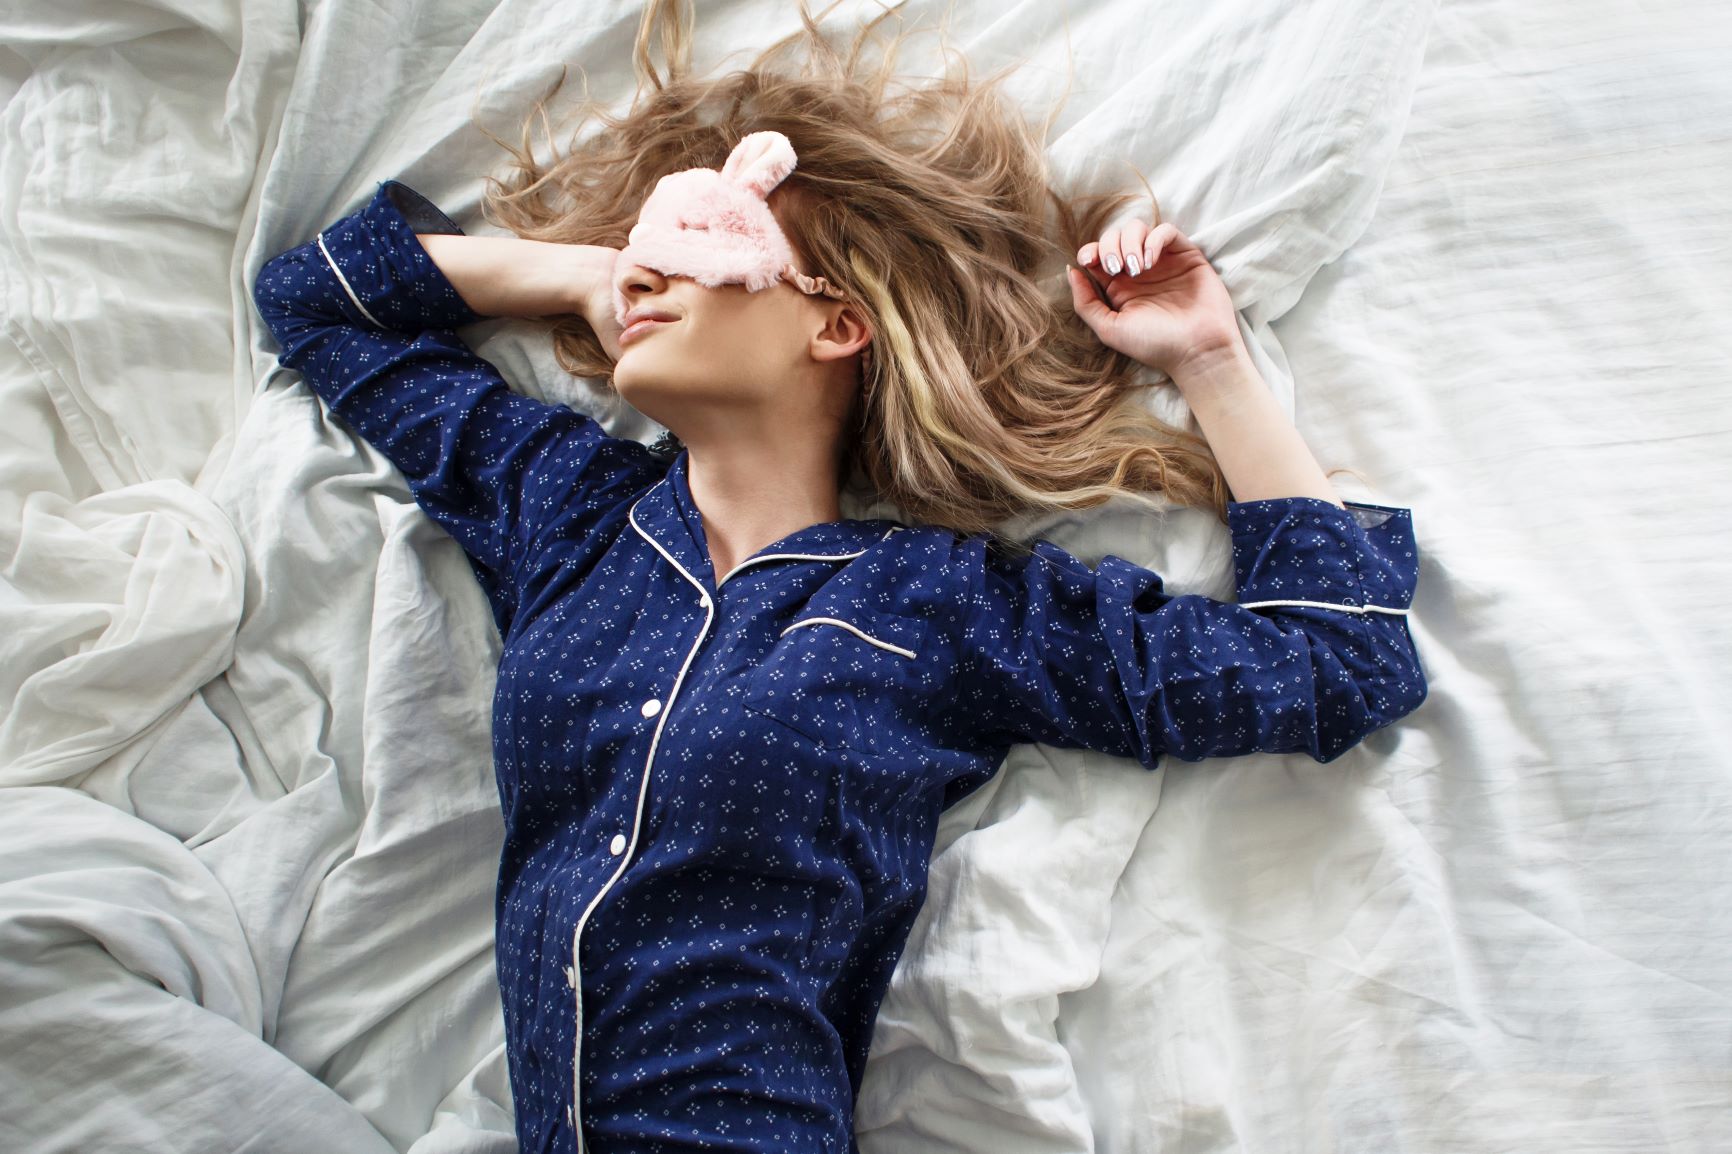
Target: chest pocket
850, 677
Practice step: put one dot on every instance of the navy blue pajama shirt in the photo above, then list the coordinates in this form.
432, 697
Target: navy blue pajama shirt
720, 791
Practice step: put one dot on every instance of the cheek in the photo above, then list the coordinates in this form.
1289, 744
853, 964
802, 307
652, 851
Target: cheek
737, 338
765, 338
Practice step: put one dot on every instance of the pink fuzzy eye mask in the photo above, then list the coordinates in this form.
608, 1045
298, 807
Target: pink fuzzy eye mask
715, 226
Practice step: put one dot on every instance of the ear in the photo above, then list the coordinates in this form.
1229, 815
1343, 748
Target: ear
845, 333
760, 162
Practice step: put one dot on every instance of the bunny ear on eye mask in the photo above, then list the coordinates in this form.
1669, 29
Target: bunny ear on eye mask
716, 227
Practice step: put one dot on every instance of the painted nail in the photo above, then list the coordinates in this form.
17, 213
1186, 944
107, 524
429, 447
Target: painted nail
1134, 265
1113, 263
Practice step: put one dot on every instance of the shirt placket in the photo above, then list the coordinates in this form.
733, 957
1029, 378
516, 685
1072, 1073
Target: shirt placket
625, 849
654, 707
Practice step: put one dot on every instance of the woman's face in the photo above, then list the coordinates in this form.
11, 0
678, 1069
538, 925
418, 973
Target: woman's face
707, 343
728, 360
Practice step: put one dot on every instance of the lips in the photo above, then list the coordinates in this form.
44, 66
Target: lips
637, 328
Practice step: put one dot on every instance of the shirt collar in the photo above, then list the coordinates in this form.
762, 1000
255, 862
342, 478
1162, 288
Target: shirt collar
669, 519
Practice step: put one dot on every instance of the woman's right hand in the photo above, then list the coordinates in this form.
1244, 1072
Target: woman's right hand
595, 268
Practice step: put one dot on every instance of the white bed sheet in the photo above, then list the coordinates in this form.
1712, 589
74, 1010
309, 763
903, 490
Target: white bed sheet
249, 828
1504, 925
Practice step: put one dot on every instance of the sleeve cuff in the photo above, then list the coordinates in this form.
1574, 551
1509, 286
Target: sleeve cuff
386, 272
1311, 552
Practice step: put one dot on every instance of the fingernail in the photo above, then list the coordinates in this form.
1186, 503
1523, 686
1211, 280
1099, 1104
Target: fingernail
1114, 265
1134, 264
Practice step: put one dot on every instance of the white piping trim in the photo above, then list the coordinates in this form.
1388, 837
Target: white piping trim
799, 556
1323, 605
853, 630
708, 603
788, 557
344, 281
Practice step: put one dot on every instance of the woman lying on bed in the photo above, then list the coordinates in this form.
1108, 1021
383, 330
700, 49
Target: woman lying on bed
727, 719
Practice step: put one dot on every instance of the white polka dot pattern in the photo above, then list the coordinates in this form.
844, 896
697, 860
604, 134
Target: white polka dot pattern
720, 799
1105, 659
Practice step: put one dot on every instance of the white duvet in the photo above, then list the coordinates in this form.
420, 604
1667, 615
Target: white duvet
248, 828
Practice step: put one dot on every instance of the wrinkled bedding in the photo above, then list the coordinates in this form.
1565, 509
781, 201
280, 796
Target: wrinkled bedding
248, 827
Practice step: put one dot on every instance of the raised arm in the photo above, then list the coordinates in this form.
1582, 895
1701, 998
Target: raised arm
1316, 653
365, 315
1165, 306
1260, 452
501, 276
1314, 657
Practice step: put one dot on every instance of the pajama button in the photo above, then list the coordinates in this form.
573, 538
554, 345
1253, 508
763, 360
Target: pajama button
618, 844
570, 1116
570, 978
651, 707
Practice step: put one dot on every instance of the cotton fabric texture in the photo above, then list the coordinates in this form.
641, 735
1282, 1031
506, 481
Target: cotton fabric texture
720, 790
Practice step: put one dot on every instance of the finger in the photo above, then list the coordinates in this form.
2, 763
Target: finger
1156, 241
1087, 254
1096, 281
1086, 301
1131, 239
1112, 257
1164, 238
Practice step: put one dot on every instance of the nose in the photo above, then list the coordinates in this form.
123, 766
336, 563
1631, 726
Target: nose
633, 280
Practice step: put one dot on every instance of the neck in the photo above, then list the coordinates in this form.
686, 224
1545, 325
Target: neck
754, 493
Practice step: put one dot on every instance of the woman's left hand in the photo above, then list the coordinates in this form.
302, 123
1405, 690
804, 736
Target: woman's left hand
1166, 306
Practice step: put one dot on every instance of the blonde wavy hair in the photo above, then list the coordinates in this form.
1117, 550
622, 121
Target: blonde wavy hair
987, 396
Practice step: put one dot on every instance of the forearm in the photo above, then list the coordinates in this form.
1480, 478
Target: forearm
1260, 452
505, 276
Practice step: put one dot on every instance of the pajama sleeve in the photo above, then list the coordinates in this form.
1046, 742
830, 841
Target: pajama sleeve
1315, 655
366, 318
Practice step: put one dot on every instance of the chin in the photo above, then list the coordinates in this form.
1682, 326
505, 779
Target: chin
627, 377
644, 391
